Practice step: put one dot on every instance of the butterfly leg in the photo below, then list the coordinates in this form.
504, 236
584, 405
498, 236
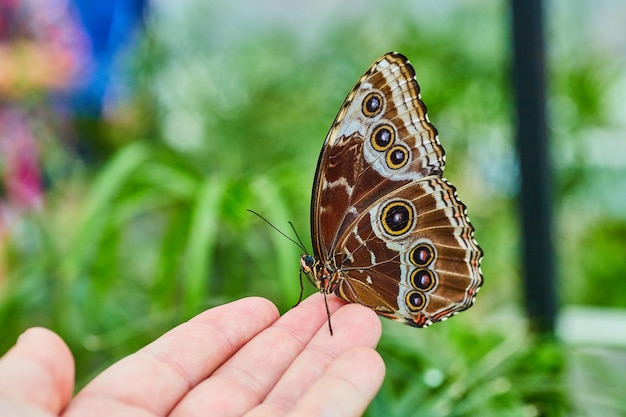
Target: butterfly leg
330, 327
301, 291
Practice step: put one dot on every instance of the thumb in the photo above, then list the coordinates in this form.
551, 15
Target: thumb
37, 372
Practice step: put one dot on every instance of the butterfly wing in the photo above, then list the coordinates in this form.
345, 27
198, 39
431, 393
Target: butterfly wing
412, 256
382, 119
381, 213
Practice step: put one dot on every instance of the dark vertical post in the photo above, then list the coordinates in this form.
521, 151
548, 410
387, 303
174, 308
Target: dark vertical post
536, 183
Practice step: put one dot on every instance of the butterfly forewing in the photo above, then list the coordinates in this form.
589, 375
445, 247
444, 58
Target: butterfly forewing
384, 222
350, 172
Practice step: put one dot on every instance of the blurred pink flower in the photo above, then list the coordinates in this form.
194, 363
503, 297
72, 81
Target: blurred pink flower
19, 162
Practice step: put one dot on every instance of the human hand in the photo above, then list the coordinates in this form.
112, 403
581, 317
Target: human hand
232, 360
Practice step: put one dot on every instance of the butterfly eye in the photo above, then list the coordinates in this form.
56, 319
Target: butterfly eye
309, 261
383, 137
372, 104
397, 218
397, 157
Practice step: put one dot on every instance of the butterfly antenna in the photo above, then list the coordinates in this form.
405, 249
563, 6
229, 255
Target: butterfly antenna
298, 243
295, 232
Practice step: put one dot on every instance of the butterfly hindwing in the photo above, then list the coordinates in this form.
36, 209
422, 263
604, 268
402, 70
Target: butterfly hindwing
412, 255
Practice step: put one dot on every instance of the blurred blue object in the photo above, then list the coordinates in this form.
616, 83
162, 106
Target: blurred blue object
110, 26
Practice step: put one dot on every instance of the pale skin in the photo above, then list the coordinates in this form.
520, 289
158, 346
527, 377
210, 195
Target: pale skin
239, 359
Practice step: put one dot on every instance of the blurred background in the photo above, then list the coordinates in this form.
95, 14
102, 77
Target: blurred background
134, 136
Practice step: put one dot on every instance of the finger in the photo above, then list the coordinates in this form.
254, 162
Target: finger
346, 387
245, 380
155, 378
355, 325
39, 371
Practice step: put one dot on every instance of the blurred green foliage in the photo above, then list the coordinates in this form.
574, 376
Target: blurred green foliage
158, 230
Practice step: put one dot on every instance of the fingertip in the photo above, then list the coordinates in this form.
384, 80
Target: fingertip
45, 344
257, 310
347, 385
362, 370
375, 369
359, 320
261, 304
37, 334
317, 299
38, 370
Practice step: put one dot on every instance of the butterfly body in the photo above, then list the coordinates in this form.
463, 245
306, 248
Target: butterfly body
388, 231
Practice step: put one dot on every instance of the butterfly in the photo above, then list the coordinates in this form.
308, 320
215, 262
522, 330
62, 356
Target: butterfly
388, 231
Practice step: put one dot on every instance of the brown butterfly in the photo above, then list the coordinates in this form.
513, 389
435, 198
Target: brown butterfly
388, 231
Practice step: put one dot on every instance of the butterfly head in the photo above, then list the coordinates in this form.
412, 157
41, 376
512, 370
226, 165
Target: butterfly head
313, 270
307, 262
322, 275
